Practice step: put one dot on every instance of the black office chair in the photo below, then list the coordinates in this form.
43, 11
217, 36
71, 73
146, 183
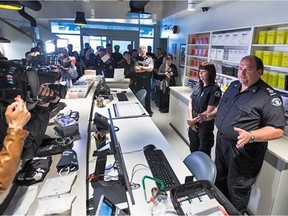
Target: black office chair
201, 166
140, 95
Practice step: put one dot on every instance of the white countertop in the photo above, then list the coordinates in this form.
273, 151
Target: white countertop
277, 147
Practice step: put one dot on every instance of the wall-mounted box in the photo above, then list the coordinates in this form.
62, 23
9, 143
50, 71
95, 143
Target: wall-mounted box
220, 54
282, 77
273, 79
227, 38
235, 38
262, 37
214, 39
265, 76
220, 39
277, 58
213, 53
281, 37
267, 57
245, 37
271, 37
285, 59
259, 53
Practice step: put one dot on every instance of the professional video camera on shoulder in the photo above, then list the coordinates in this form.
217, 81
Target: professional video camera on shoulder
16, 79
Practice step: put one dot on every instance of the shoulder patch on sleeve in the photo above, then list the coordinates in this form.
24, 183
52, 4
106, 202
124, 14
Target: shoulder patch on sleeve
276, 102
217, 94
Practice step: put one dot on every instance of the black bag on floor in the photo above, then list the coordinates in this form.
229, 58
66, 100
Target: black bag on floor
34, 171
52, 146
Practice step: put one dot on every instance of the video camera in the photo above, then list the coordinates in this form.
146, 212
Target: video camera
14, 81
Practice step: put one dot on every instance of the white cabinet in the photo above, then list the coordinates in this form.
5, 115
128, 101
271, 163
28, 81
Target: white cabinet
270, 192
178, 110
225, 48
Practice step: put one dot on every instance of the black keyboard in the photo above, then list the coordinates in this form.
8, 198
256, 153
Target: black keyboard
121, 97
161, 168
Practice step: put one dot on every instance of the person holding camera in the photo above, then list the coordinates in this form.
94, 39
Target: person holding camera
40, 115
68, 68
17, 116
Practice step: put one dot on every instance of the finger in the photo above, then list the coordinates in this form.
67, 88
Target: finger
51, 92
238, 129
11, 107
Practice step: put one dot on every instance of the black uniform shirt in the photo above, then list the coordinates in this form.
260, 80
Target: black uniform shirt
204, 96
145, 62
254, 108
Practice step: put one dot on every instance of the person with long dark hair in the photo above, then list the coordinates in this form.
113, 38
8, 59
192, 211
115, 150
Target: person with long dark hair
204, 99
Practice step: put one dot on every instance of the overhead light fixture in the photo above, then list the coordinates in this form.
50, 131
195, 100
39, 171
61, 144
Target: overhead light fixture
80, 19
10, 5
191, 5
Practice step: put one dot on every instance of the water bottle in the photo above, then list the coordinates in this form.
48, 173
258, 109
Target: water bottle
162, 205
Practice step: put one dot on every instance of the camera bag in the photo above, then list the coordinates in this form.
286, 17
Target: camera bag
68, 161
53, 146
34, 171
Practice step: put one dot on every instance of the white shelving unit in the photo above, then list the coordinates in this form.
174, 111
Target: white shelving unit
225, 48
197, 52
270, 44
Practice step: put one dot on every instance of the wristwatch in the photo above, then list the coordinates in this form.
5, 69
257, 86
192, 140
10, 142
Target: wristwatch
252, 138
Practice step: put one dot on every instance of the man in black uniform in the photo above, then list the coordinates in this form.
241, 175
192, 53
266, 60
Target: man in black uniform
249, 114
144, 67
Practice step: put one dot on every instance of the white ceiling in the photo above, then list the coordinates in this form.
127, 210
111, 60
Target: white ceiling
112, 11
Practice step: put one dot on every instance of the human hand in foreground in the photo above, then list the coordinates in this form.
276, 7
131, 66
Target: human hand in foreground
17, 114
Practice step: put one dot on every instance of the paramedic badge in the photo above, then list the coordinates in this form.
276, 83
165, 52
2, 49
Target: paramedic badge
276, 102
217, 94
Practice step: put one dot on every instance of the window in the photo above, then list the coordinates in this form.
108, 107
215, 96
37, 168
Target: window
146, 42
147, 32
146, 37
72, 39
95, 41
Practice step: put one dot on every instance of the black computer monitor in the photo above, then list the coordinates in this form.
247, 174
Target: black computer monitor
119, 160
102, 89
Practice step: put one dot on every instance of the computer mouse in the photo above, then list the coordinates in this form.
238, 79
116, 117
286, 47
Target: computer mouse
149, 147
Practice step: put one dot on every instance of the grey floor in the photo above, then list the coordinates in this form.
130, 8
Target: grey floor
162, 122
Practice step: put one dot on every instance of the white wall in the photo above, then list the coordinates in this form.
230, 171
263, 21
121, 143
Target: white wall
19, 45
232, 14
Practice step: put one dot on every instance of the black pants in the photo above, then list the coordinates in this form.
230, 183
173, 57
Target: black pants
203, 139
146, 84
237, 169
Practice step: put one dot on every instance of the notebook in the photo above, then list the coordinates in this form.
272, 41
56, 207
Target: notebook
107, 208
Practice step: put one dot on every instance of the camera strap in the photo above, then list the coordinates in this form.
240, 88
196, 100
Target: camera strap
34, 82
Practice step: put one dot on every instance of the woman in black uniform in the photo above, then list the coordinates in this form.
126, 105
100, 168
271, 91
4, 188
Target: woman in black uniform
204, 99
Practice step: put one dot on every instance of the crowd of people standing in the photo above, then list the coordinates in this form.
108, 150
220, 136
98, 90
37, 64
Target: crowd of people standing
140, 65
